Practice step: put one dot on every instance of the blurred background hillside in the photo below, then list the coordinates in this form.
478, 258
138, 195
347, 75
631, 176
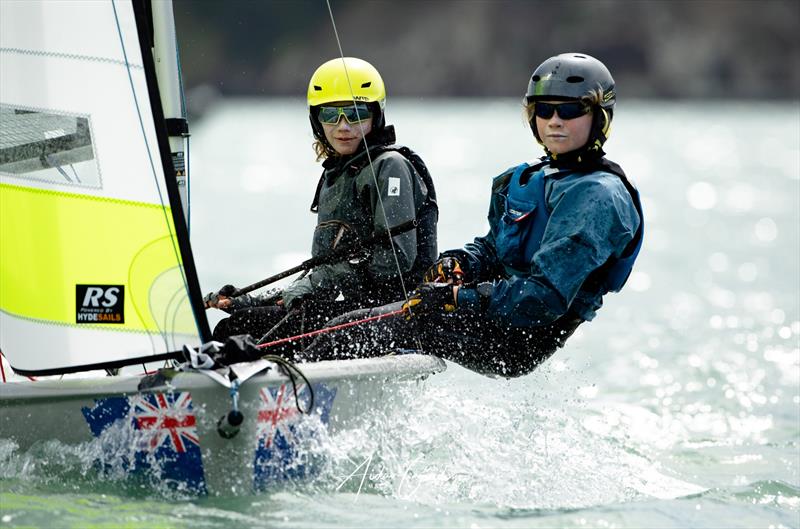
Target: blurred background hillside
457, 48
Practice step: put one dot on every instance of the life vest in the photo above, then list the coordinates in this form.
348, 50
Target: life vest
521, 228
427, 216
374, 152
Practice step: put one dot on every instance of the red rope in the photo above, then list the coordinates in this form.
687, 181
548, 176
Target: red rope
4, 371
331, 329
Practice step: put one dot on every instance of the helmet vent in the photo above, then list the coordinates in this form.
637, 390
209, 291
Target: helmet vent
535, 78
366, 85
318, 88
575, 79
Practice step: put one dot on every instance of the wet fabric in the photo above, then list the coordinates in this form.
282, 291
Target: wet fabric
350, 210
259, 320
465, 337
355, 205
592, 219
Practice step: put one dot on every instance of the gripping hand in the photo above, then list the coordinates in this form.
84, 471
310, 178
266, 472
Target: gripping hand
445, 270
219, 300
431, 297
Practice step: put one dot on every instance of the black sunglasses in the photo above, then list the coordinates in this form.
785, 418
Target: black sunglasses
569, 110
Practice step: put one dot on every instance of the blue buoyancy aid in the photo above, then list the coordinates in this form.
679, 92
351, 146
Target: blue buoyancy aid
522, 226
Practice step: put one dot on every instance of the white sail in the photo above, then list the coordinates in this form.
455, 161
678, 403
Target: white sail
94, 267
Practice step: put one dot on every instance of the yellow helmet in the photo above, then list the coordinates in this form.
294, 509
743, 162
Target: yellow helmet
346, 79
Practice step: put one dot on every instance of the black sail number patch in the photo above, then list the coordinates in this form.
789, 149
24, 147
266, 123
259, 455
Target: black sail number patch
100, 304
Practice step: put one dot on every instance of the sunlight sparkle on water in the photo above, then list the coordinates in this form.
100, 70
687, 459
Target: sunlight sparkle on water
747, 272
701, 195
639, 281
766, 230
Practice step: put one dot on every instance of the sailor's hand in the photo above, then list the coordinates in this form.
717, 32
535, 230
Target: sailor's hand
221, 299
445, 270
221, 302
432, 297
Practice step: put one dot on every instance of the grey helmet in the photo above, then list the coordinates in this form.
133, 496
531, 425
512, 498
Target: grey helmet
572, 76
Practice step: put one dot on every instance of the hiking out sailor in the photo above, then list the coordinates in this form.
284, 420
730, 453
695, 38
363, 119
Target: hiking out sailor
563, 232
369, 185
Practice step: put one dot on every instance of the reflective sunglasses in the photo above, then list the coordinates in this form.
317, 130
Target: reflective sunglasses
569, 110
354, 114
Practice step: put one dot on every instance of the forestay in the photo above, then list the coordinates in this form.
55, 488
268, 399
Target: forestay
95, 265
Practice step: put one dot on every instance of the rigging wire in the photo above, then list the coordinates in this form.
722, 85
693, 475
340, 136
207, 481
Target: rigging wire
372, 169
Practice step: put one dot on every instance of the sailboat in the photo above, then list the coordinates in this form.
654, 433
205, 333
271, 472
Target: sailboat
97, 273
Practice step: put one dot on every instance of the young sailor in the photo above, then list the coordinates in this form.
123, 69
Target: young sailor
369, 186
563, 232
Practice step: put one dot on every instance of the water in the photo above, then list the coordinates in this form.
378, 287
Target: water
679, 406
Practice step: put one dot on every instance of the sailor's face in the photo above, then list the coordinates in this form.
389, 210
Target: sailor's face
564, 135
345, 137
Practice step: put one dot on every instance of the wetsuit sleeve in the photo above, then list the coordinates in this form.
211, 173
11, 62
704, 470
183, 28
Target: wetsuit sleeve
325, 280
395, 193
254, 300
591, 220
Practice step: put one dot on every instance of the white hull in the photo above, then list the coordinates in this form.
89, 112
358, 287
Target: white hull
169, 433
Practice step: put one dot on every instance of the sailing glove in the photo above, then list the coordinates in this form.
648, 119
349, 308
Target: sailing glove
445, 270
431, 297
213, 298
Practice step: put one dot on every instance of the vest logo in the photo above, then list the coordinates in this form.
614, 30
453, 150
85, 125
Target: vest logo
394, 187
99, 304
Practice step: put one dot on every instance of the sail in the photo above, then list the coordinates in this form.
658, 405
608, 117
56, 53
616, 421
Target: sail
95, 264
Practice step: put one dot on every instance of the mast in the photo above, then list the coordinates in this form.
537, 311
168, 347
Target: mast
165, 56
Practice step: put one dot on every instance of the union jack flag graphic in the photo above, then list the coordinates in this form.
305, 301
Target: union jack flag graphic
277, 413
165, 424
167, 418
278, 434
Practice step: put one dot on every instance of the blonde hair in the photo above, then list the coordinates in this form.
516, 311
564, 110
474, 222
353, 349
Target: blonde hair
323, 150
592, 98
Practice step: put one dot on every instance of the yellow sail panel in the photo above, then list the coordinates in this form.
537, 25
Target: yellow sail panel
88, 261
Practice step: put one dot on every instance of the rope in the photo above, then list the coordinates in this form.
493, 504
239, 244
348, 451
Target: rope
275, 327
292, 371
330, 329
3, 370
372, 168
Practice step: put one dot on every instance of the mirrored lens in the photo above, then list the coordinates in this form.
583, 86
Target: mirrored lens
570, 110
352, 113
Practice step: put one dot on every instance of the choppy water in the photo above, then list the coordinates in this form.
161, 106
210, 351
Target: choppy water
679, 406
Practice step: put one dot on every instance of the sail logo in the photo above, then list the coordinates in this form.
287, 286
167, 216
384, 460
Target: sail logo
100, 304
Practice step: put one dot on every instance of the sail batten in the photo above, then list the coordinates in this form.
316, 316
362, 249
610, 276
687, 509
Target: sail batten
95, 263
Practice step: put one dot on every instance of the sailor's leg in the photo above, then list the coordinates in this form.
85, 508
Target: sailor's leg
255, 321
361, 341
493, 349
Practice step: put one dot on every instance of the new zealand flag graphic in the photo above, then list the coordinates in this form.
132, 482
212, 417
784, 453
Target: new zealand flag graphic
166, 442
283, 432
